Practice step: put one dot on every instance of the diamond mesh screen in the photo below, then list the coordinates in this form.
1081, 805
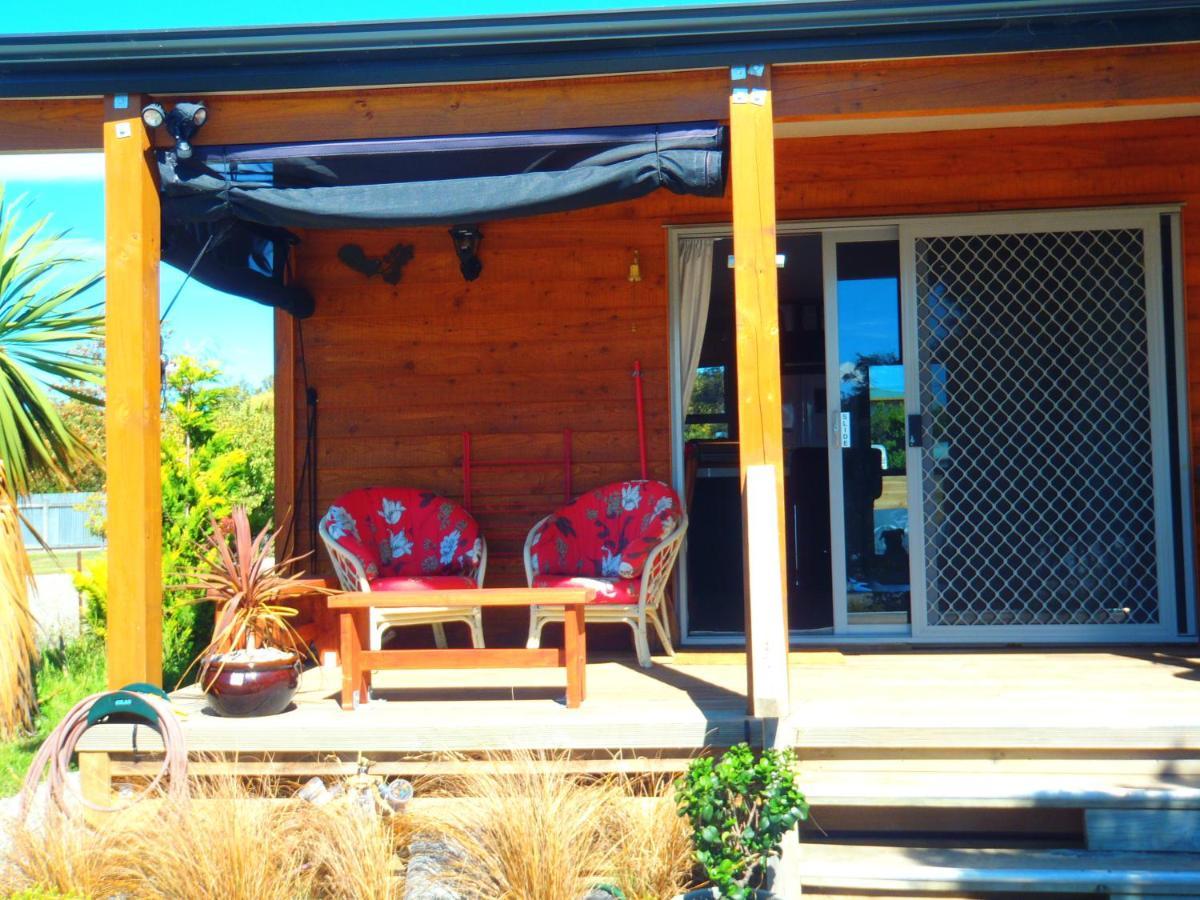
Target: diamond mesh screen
1037, 479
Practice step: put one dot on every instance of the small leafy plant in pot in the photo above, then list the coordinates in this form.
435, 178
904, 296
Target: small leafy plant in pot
251, 667
740, 807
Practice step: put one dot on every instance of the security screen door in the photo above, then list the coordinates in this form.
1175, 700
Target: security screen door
1038, 474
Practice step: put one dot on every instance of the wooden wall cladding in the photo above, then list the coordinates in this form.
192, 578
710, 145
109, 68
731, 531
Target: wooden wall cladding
544, 340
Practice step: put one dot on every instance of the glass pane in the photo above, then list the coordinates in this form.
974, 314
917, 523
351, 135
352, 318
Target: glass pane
874, 486
706, 415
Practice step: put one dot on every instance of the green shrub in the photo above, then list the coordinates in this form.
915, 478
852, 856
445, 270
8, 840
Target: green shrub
92, 585
180, 635
65, 675
740, 808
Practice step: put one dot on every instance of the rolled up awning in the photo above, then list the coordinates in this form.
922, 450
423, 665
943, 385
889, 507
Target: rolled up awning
240, 200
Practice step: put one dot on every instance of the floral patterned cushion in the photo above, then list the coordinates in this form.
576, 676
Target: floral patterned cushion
607, 533
423, 583
399, 532
608, 590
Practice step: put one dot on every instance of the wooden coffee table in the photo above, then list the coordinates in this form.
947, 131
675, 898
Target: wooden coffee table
353, 609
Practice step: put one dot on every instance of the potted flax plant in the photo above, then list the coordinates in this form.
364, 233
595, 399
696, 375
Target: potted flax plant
251, 667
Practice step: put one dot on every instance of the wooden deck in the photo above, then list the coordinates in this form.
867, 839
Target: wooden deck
901, 703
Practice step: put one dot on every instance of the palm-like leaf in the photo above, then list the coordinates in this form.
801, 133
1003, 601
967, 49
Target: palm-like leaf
42, 319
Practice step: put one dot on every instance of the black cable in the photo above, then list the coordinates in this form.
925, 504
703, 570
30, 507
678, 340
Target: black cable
308, 468
187, 277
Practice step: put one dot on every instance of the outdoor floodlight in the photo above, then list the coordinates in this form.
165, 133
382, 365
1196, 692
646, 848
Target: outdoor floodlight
153, 114
466, 244
182, 122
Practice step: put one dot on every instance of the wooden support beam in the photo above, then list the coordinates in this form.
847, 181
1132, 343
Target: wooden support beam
133, 385
1164, 75
760, 429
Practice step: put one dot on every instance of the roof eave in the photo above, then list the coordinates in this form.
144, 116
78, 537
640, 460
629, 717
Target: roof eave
439, 51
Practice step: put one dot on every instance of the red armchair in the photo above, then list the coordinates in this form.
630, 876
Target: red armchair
620, 540
403, 539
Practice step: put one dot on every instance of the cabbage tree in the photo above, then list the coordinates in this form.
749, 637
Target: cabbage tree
44, 320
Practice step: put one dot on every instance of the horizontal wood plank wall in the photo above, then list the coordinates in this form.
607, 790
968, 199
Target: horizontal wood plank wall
545, 338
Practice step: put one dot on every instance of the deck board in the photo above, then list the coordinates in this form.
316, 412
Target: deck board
1122, 701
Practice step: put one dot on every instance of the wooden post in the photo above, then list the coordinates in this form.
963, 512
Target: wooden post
95, 783
756, 307
133, 385
767, 654
285, 433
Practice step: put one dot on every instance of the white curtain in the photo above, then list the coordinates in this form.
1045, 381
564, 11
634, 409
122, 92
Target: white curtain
695, 288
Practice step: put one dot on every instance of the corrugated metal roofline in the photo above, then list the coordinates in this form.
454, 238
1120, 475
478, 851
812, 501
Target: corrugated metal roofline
542, 46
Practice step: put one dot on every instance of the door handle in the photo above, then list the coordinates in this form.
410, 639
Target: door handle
916, 430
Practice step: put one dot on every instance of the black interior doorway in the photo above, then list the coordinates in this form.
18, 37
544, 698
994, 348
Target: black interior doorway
714, 559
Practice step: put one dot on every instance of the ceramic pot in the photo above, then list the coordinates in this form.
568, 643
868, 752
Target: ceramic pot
239, 688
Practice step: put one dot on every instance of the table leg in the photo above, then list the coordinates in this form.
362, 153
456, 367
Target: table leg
362, 621
575, 651
353, 624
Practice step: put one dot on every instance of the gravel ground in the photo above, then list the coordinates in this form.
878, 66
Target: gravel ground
56, 608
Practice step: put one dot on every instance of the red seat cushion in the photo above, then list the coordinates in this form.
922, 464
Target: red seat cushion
608, 590
608, 532
405, 532
424, 583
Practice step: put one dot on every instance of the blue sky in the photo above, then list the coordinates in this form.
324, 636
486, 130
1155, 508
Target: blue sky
88, 15
233, 332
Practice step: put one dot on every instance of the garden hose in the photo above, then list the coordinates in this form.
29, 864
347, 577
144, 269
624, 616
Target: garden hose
58, 748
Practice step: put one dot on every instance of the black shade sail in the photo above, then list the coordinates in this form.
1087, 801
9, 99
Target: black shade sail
239, 201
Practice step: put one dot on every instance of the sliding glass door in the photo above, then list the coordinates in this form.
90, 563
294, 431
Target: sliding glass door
865, 372
1042, 437
984, 432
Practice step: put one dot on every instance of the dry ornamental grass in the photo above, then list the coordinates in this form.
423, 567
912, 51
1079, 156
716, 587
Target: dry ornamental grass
533, 831
521, 830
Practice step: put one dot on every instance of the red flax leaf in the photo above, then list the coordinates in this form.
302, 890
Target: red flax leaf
245, 583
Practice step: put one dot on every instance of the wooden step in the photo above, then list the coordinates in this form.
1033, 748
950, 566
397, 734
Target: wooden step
858, 867
1163, 830
998, 791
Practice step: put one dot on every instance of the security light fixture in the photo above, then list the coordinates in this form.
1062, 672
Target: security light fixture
153, 114
466, 240
182, 122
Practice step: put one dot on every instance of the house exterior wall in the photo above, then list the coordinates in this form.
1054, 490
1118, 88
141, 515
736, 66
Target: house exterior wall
546, 338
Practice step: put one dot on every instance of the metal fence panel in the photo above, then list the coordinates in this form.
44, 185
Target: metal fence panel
60, 519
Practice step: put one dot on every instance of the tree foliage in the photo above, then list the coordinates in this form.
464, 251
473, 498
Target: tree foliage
83, 413
217, 453
42, 319
708, 399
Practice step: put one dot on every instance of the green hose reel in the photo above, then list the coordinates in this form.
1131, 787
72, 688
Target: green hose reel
126, 707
